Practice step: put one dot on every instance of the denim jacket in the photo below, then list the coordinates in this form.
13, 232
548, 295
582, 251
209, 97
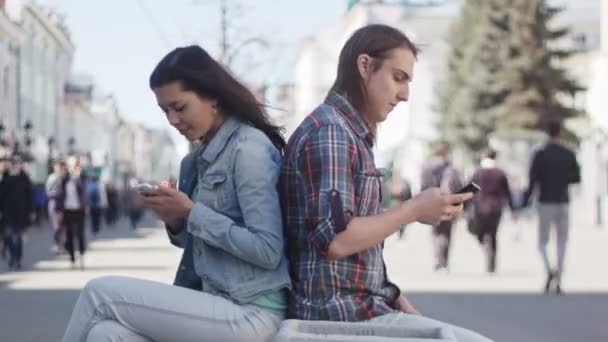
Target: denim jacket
233, 238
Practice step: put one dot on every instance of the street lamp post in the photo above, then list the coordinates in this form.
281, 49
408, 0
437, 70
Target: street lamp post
71, 144
27, 140
51, 155
2, 140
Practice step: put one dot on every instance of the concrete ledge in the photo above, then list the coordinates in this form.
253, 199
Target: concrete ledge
313, 331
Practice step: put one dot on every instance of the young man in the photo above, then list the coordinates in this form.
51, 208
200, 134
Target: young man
330, 188
553, 169
17, 207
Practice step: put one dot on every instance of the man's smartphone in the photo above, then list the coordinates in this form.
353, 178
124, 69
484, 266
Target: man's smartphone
144, 188
471, 187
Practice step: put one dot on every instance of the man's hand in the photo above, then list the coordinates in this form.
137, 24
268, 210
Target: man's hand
404, 305
433, 206
172, 206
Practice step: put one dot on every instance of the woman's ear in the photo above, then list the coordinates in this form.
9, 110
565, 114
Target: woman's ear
364, 66
215, 106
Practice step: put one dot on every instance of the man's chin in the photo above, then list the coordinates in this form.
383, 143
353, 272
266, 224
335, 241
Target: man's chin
383, 118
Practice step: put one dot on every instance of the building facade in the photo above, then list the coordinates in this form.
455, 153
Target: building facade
11, 38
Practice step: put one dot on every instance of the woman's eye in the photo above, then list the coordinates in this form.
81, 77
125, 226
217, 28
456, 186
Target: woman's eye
180, 109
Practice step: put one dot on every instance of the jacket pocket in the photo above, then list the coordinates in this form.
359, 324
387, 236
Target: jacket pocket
211, 190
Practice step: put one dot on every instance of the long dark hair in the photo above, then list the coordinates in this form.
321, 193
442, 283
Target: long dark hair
199, 72
375, 40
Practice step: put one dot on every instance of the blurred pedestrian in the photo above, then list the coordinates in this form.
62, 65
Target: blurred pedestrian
112, 209
488, 204
4, 166
133, 204
438, 172
553, 169
16, 201
72, 202
40, 203
54, 191
95, 201
399, 192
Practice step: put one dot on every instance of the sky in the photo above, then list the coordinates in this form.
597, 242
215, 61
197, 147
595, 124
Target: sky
119, 42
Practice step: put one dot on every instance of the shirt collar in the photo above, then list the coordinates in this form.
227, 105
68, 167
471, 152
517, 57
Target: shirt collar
211, 150
349, 113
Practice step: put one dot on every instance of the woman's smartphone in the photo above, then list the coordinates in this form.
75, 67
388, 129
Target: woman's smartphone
144, 188
471, 187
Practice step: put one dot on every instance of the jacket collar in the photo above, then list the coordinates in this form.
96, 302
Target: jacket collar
213, 148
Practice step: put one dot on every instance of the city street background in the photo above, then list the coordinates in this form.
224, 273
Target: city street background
74, 86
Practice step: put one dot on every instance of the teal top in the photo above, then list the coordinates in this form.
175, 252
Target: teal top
275, 302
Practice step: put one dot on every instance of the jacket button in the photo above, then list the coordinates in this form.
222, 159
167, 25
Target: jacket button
199, 252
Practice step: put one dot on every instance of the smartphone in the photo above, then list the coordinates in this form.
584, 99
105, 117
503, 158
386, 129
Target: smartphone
144, 188
471, 187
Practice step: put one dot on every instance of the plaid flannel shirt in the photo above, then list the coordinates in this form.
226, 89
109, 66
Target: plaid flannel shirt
328, 177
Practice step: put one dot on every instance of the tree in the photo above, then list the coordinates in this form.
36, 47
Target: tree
472, 87
504, 72
539, 83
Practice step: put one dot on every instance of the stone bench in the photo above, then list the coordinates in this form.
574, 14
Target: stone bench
315, 331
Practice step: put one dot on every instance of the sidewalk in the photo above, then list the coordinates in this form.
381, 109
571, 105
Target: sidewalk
519, 267
36, 303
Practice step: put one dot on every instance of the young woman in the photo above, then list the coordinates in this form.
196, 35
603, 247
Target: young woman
232, 280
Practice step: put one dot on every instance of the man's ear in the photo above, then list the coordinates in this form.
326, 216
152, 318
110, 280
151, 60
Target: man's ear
364, 66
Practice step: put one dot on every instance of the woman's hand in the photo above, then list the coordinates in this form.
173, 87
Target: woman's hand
404, 305
169, 204
433, 206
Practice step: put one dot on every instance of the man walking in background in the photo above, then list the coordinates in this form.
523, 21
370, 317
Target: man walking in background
553, 169
438, 172
17, 208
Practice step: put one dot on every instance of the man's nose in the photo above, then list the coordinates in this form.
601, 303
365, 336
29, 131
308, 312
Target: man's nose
404, 93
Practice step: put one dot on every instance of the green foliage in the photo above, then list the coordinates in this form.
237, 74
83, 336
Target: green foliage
504, 72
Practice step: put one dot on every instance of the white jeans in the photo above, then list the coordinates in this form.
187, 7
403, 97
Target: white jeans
557, 215
113, 309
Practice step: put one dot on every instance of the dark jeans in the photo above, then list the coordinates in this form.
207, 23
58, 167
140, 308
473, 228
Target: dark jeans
96, 219
134, 216
442, 236
488, 228
74, 228
111, 215
14, 241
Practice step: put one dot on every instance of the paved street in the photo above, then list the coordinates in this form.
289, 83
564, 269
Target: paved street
36, 302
